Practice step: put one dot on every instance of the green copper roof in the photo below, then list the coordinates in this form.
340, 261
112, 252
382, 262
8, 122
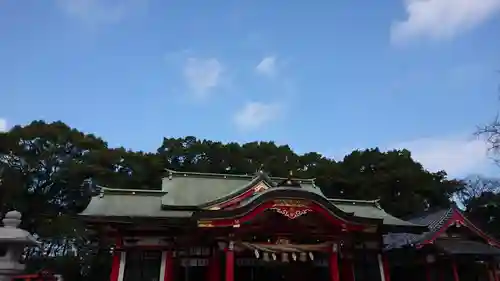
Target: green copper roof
195, 189
130, 203
369, 209
199, 189
183, 194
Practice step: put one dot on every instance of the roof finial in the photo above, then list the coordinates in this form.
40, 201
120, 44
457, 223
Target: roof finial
261, 168
290, 172
290, 175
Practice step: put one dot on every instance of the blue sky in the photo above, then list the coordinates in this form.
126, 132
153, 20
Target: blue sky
329, 77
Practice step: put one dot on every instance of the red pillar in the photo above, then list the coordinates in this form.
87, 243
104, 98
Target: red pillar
494, 269
347, 270
214, 267
428, 275
210, 271
387, 268
440, 273
169, 266
491, 277
353, 270
334, 264
230, 262
115, 265
455, 270
383, 265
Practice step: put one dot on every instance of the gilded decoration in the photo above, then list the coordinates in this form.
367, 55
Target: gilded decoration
291, 209
205, 224
260, 187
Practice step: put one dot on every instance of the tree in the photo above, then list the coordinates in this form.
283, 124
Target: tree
403, 186
120, 168
475, 186
491, 134
481, 197
484, 210
43, 175
45, 165
48, 171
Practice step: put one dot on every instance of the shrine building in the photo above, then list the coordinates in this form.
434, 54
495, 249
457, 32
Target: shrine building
453, 249
217, 227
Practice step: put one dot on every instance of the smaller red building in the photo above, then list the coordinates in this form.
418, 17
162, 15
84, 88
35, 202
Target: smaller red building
454, 249
217, 227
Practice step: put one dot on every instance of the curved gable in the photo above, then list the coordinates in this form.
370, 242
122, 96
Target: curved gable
283, 201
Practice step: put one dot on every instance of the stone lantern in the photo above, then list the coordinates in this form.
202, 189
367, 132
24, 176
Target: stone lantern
13, 240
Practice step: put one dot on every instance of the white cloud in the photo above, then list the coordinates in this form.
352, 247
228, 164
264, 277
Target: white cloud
441, 19
456, 155
95, 12
202, 75
254, 115
3, 125
267, 66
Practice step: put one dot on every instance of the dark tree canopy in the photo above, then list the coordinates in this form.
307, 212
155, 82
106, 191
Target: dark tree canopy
485, 211
403, 185
44, 169
482, 201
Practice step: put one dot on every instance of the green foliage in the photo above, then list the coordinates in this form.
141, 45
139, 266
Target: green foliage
45, 171
403, 185
485, 211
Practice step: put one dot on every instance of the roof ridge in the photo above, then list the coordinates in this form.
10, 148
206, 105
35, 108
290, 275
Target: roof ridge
105, 190
246, 176
172, 172
427, 213
375, 201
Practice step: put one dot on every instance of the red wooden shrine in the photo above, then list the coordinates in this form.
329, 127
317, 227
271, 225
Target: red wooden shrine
246, 227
